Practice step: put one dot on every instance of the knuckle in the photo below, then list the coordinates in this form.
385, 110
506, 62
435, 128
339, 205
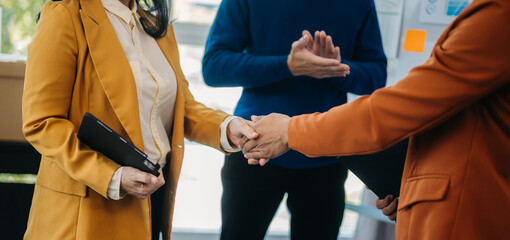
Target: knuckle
385, 211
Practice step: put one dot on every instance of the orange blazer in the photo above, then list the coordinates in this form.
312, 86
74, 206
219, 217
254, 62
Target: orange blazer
76, 65
456, 108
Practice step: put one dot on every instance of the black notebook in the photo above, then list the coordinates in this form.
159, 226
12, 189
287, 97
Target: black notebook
382, 171
103, 139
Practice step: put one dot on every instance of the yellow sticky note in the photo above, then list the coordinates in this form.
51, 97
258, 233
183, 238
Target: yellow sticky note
415, 40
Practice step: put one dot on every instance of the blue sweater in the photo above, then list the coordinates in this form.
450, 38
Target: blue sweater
249, 43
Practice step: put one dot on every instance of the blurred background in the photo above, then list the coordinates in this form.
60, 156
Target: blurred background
197, 213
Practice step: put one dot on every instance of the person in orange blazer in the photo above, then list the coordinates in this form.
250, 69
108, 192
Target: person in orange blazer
456, 109
76, 65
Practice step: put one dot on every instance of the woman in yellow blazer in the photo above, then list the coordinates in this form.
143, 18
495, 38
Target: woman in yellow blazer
76, 64
456, 109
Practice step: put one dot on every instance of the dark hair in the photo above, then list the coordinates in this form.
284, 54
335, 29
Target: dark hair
155, 16
155, 21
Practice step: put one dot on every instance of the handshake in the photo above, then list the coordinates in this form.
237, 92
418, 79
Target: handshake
261, 139
265, 137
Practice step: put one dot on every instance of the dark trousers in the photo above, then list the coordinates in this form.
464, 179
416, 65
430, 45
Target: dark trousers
157, 201
252, 194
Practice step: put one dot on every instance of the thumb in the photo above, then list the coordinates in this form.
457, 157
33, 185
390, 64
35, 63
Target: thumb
256, 118
248, 131
337, 53
309, 39
300, 43
250, 123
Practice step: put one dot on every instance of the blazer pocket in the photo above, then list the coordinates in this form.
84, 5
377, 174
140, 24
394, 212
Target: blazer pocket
422, 189
53, 177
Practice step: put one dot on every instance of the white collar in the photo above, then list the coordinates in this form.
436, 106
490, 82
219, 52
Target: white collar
119, 9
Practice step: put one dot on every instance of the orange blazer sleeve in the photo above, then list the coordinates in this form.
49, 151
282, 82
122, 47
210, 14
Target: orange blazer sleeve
469, 62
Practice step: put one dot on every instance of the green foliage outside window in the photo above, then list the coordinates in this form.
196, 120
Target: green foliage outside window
18, 24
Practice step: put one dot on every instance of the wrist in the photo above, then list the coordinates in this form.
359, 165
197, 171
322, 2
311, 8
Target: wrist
285, 130
290, 66
229, 134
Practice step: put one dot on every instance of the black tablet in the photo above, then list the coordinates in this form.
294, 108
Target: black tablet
103, 139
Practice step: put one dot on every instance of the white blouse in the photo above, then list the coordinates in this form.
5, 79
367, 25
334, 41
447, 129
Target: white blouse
156, 86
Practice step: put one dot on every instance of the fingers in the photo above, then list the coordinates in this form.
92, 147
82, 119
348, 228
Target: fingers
345, 68
330, 48
320, 70
337, 53
388, 206
382, 203
247, 130
322, 45
309, 39
324, 62
243, 142
263, 161
255, 119
254, 155
140, 184
141, 177
250, 123
322, 40
249, 145
252, 161
393, 216
391, 208
299, 44
260, 162
239, 128
316, 42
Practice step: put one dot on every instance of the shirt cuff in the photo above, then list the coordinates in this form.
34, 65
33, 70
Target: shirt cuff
114, 186
225, 144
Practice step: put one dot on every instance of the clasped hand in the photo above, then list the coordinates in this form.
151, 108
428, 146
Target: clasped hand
262, 138
271, 142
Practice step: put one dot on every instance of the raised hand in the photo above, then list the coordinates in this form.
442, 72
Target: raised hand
301, 61
138, 183
322, 45
388, 206
272, 140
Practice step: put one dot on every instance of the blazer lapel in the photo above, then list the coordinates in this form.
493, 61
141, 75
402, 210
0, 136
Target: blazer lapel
112, 67
166, 44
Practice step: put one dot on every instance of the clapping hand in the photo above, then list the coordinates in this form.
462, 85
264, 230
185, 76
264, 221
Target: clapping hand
317, 58
322, 45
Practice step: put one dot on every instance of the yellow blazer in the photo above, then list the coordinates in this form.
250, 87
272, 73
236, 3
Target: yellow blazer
76, 65
456, 107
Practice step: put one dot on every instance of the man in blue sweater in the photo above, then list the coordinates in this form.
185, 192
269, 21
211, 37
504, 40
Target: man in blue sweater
248, 46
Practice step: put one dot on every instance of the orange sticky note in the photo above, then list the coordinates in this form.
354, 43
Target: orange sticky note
415, 40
